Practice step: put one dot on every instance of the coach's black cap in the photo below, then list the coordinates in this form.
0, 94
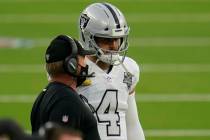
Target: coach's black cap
61, 47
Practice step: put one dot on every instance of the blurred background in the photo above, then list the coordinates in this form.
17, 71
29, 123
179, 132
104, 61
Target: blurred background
170, 40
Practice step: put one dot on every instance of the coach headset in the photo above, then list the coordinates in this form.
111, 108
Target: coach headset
70, 62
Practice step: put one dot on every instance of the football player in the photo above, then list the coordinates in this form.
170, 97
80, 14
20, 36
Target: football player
111, 93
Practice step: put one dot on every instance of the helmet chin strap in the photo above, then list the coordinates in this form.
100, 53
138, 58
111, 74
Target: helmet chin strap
121, 63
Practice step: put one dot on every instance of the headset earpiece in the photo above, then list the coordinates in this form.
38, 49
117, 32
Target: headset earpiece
70, 63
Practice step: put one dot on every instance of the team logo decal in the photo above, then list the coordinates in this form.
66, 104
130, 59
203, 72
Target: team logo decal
128, 79
84, 19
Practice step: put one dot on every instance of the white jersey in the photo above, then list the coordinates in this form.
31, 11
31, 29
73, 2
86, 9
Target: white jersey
107, 97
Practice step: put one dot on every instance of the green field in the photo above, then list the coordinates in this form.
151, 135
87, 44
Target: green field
170, 39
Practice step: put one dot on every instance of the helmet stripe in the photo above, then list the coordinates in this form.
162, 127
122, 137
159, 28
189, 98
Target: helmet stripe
113, 14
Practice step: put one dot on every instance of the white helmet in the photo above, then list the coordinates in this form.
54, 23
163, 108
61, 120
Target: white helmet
107, 21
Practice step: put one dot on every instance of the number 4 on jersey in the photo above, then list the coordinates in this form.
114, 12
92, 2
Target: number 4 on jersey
107, 112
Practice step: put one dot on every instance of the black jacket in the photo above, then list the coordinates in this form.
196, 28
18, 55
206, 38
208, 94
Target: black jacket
61, 104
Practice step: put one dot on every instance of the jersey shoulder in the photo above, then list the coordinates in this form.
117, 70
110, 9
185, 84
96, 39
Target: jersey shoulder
134, 69
131, 65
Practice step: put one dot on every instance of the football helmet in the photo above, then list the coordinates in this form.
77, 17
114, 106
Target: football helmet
106, 21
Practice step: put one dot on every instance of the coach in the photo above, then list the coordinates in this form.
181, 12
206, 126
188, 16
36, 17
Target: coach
59, 102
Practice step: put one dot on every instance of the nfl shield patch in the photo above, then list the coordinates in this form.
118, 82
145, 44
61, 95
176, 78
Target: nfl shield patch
65, 118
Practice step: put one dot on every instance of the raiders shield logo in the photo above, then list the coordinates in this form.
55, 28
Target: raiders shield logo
47, 56
84, 19
128, 79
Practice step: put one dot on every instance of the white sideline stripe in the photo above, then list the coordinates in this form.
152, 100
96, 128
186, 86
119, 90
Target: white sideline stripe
168, 18
124, 1
145, 68
154, 68
177, 133
170, 42
151, 41
131, 17
181, 97
172, 132
17, 98
140, 97
22, 68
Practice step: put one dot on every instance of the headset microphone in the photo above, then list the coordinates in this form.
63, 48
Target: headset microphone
84, 72
87, 75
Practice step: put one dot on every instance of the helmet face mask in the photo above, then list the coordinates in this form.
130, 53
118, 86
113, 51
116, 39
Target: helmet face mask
105, 21
112, 57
